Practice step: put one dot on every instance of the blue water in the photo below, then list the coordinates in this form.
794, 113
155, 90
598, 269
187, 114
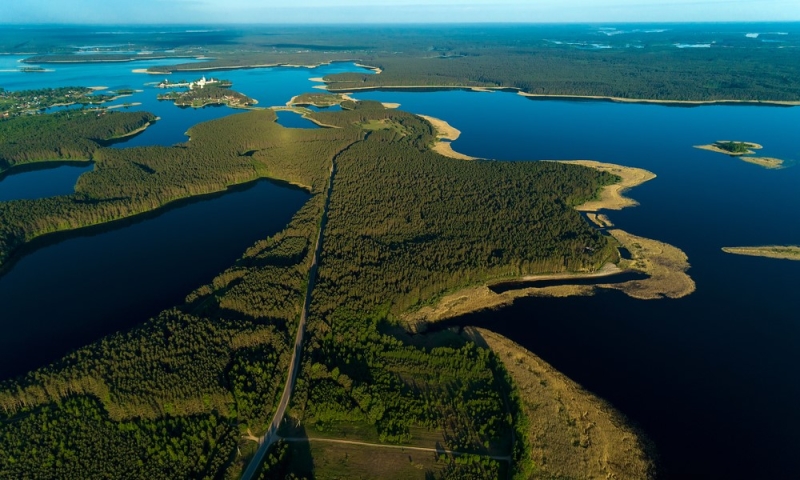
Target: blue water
711, 377
128, 270
291, 119
269, 86
40, 182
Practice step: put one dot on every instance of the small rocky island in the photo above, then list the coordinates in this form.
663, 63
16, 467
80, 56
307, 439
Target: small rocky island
742, 151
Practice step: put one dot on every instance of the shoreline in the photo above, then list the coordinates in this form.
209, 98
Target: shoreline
560, 416
445, 135
779, 252
769, 163
612, 196
783, 103
665, 265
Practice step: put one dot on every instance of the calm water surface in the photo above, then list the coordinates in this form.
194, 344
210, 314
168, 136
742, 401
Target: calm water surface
41, 180
74, 289
291, 119
712, 378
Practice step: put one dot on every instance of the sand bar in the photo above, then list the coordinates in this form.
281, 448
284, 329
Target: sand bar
445, 134
665, 264
571, 432
766, 162
481, 298
785, 252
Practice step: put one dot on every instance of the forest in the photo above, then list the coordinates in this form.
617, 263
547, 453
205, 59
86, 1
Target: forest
69, 135
544, 60
179, 395
125, 182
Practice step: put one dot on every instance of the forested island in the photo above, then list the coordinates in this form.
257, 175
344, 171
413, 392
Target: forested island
185, 394
743, 151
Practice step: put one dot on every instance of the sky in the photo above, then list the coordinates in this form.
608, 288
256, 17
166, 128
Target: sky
393, 11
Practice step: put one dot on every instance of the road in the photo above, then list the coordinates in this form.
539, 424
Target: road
271, 436
505, 458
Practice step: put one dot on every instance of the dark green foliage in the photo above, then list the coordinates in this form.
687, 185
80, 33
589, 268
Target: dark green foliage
73, 135
277, 465
734, 147
75, 439
408, 225
356, 374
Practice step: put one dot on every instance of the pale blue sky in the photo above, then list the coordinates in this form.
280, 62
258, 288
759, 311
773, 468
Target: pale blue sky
394, 11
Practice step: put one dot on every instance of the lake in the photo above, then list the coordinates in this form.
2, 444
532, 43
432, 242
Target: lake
134, 268
711, 378
40, 180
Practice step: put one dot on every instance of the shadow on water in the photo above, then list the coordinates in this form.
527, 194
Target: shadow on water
127, 271
519, 285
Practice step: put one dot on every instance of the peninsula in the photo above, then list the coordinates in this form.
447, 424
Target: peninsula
789, 252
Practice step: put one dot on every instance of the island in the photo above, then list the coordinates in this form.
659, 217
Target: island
731, 148
788, 252
743, 151
204, 94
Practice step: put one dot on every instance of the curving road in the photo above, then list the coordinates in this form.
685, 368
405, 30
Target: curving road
271, 436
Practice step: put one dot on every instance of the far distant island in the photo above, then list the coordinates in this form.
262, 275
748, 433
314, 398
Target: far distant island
788, 252
205, 92
742, 150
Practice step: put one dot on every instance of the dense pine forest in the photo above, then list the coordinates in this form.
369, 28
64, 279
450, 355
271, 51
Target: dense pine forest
180, 395
71, 135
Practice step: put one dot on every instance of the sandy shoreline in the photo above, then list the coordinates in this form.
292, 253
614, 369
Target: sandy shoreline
766, 162
611, 197
714, 147
664, 264
445, 135
781, 252
571, 432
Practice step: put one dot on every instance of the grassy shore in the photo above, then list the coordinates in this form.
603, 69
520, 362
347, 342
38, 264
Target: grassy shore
571, 432
789, 252
445, 134
665, 264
